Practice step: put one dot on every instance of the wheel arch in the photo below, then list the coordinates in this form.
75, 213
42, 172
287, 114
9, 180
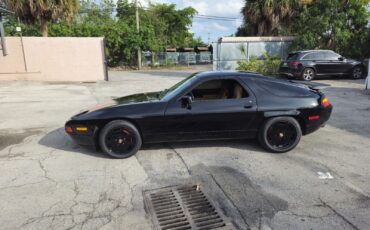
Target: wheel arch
310, 67
291, 113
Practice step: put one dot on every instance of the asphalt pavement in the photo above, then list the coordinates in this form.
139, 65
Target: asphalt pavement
49, 182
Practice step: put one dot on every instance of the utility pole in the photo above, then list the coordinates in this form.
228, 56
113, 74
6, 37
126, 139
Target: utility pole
138, 31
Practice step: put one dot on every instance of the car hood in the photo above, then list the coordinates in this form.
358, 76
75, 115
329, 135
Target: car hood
126, 100
352, 60
137, 98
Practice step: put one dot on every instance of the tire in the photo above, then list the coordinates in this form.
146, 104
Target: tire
280, 134
308, 74
120, 139
357, 72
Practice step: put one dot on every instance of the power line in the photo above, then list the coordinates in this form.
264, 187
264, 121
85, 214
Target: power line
212, 16
198, 16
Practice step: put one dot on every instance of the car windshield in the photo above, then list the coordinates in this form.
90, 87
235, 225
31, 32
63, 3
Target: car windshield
168, 93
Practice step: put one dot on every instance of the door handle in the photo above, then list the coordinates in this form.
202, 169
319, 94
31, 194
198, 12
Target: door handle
248, 105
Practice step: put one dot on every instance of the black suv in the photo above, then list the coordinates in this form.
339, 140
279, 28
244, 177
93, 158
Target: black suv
310, 64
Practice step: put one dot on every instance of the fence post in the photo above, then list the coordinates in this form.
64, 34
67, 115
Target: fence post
2, 37
248, 51
367, 82
188, 58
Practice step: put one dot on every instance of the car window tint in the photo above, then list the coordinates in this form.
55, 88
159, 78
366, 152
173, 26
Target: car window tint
291, 57
310, 56
282, 89
219, 89
331, 56
320, 56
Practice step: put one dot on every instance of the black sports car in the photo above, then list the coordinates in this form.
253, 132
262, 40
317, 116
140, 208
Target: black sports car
208, 105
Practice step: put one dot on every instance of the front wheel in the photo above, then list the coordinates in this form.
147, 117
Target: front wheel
120, 139
280, 134
357, 72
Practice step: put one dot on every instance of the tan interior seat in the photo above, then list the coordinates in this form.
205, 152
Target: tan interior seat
238, 91
224, 93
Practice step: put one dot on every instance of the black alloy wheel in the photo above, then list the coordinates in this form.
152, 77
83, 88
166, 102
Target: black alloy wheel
120, 139
280, 134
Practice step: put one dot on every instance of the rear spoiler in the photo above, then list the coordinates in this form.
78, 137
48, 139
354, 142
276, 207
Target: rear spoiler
312, 85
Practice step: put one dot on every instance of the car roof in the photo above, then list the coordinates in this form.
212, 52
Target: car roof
310, 51
221, 74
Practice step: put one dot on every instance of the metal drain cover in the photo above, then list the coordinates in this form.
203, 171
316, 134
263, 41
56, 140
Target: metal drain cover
184, 207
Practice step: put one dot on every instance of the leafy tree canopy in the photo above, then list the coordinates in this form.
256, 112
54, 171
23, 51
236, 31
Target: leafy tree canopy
43, 11
340, 25
161, 26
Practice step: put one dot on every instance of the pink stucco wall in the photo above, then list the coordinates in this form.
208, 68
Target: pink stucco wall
53, 59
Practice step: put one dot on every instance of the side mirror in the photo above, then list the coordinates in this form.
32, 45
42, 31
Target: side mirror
186, 102
341, 58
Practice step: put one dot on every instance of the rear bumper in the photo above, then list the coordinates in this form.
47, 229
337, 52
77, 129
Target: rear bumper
287, 72
313, 125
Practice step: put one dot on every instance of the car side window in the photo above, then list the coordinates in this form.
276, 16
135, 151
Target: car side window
219, 89
331, 56
311, 56
320, 56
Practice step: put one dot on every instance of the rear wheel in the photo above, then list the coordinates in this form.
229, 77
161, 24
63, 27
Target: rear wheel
280, 134
308, 74
357, 72
120, 139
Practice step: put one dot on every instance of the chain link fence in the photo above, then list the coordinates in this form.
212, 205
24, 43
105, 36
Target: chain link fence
176, 58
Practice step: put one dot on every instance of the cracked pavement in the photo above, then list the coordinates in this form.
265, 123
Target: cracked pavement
49, 182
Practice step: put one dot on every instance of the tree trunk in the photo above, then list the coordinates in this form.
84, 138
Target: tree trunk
44, 27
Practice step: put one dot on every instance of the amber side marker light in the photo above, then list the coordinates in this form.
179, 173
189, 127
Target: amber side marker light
69, 129
325, 102
81, 129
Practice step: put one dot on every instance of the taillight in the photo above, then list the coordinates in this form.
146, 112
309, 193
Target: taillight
294, 64
325, 102
69, 129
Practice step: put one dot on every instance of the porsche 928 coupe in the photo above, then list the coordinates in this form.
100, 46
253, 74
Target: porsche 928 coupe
206, 106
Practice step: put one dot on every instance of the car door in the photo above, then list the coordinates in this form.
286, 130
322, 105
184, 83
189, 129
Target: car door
339, 65
322, 65
210, 116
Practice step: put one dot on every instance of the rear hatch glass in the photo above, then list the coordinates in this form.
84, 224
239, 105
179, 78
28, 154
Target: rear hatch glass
292, 56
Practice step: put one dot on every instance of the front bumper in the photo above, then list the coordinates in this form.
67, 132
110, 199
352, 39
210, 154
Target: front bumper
84, 138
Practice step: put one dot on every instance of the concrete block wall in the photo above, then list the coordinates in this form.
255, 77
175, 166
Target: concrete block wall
54, 59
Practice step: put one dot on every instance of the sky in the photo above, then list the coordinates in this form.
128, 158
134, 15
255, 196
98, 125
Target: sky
210, 29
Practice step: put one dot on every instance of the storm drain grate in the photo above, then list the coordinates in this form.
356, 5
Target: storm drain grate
184, 207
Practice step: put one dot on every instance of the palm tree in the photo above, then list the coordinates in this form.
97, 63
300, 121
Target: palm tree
270, 17
43, 11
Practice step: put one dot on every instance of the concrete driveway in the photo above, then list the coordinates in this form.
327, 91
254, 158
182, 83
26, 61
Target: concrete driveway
48, 182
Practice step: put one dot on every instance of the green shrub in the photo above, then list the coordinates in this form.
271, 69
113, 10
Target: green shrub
268, 66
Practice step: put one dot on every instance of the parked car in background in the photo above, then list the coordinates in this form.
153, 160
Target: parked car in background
310, 64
